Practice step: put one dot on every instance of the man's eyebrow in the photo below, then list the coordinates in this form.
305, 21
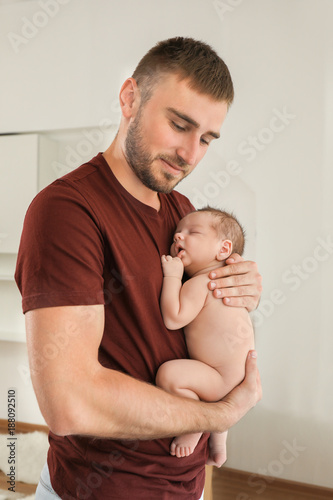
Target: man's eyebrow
190, 120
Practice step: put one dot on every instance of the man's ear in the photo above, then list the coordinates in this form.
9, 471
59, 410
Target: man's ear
129, 98
224, 250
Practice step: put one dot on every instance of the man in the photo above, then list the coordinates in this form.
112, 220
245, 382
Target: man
90, 276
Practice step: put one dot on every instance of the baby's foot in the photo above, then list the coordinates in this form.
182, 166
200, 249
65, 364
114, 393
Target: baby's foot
183, 446
217, 449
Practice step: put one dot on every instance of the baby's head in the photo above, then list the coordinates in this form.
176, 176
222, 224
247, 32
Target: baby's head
207, 237
227, 227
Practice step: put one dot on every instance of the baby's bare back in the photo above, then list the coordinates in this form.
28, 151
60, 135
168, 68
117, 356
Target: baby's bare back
221, 337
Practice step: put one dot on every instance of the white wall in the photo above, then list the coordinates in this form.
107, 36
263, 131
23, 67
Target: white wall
280, 57
279, 53
14, 373
67, 62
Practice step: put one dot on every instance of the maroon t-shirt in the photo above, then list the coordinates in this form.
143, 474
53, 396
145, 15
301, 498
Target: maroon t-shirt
86, 240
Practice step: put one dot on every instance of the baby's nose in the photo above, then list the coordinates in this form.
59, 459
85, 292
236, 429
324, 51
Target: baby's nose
178, 236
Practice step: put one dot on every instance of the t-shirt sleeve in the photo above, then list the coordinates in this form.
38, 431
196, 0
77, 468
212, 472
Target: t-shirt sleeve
61, 255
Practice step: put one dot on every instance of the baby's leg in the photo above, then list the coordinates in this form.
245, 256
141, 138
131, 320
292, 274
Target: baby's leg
191, 379
217, 448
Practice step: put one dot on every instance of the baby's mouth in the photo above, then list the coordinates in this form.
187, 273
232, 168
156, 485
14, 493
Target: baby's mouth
176, 249
179, 250
181, 253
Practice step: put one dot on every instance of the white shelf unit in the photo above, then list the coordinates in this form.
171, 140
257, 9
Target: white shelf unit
25, 167
11, 319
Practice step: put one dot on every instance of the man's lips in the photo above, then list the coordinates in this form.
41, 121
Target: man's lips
172, 167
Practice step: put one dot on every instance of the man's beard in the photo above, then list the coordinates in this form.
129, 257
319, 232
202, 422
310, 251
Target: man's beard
140, 160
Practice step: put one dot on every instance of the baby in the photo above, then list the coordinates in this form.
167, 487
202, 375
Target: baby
218, 337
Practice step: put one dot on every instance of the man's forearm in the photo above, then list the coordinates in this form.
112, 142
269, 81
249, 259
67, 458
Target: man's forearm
77, 395
113, 405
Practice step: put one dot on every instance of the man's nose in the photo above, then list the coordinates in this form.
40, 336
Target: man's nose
188, 151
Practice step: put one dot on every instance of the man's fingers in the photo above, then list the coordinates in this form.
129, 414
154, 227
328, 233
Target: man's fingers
251, 355
246, 395
236, 280
231, 282
248, 302
259, 386
241, 267
235, 257
236, 291
240, 282
247, 296
252, 376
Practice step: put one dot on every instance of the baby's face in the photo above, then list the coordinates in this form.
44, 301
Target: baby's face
195, 240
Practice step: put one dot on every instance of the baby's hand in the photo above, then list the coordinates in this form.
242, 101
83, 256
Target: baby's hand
172, 266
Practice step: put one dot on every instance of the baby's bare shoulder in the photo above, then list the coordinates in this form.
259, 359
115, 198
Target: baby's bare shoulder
199, 281
197, 285
200, 278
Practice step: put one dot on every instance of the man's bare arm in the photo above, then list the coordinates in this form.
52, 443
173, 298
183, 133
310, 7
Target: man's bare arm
77, 395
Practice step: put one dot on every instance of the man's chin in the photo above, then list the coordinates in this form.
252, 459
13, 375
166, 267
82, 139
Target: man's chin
165, 188
169, 185
162, 183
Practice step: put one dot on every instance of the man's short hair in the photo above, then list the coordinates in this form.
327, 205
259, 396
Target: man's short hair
227, 227
190, 59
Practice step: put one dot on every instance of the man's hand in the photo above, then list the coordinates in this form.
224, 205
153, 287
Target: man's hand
238, 283
247, 394
172, 266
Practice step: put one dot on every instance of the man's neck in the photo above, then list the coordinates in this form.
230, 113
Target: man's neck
124, 174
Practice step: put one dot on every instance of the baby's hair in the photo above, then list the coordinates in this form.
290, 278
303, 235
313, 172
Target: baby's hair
228, 227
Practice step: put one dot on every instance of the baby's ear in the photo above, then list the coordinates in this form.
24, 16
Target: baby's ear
225, 250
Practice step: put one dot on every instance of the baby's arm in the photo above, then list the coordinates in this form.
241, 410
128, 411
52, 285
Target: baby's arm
180, 304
